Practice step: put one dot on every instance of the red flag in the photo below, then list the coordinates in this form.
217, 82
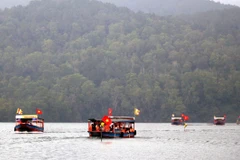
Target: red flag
38, 111
109, 111
107, 121
186, 118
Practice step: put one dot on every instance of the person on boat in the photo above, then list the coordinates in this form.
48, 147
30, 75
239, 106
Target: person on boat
93, 127
131, 129
106, 128
111, 127
29, 122
116, 127
97, 128
90, 128
123, 130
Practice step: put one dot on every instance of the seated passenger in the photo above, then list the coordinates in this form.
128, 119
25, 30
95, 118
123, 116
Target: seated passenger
106, 128
116, 127
123, 130
90, 128
111, 128
93, 127
97, 128
131, 129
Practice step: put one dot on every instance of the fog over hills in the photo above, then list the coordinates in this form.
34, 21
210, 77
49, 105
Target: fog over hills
170, 7
11, 3
232, 2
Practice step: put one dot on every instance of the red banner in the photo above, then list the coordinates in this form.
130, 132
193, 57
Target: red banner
38, 111
109, 111
106, 120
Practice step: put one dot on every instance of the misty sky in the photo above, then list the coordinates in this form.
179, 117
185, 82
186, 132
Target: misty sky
10, 3
233, 2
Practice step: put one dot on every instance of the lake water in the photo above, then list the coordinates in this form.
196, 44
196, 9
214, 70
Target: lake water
160, 141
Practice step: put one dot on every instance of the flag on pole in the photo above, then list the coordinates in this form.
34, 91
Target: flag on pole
106, 121
185, 125
110, 111
38, 111
136, 111
19, 111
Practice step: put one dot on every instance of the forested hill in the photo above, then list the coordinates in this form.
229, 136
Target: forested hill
76, 58
170, 7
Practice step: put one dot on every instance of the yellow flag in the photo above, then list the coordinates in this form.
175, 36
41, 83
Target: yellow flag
185, 125
136, 111
19, 111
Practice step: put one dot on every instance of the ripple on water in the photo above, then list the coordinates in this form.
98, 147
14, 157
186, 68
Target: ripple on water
153, 141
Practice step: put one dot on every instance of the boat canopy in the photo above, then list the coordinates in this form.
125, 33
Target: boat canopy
26, 116
219, 117
125, 119
176, 118
94, 120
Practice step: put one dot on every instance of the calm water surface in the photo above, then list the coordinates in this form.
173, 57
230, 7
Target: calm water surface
70, 141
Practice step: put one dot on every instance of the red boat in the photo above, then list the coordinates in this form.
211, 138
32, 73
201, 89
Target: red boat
29, 123
219, 120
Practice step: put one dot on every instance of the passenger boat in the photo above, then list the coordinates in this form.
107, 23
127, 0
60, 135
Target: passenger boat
117, 127
29, 123
180, 120
176, 120
219, 120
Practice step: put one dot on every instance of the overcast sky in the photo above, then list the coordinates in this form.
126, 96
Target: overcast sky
10, 3
233, 2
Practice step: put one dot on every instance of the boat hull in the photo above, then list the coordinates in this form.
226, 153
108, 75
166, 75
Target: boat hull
28, 128
112, 134
219, 122
177, 122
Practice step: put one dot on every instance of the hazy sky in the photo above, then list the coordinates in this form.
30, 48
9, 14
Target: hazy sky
10, 3
233, 2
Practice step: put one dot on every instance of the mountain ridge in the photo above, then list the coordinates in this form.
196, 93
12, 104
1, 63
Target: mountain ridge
75, 59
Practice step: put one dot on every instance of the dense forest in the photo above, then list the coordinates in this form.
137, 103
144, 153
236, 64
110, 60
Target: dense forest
170, 7
74, 59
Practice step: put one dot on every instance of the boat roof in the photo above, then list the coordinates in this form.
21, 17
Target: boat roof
219, 117
94, 120
176, 117
122, 119
26, 116
126, 119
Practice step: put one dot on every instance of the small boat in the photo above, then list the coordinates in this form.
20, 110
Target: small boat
219, 120
177, 120
238, 120
180, 120
112, 127
29, 123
